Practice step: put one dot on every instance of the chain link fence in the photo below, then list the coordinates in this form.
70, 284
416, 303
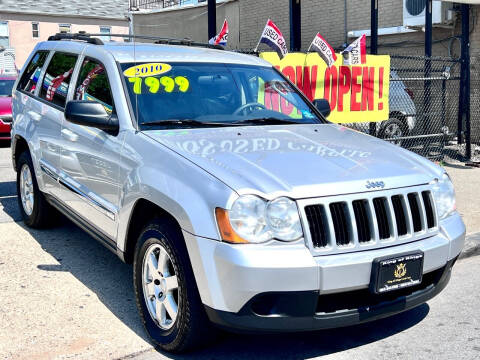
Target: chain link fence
424, 107
475, 108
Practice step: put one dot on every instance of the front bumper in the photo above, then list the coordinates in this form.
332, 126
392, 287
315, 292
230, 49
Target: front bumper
231, 277
307, 311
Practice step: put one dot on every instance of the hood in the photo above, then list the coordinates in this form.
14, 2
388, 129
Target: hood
300, 161
5, 105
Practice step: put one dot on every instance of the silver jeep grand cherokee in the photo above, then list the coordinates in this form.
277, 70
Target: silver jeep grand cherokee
180, 160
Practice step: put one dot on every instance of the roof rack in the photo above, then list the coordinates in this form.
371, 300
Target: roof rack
76, 36
93, 39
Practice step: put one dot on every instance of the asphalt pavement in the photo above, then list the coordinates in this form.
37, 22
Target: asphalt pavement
63, 295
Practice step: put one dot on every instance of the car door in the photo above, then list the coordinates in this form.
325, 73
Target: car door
89, 156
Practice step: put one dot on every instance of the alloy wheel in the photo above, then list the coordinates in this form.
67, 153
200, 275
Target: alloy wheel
26, 189
160, 286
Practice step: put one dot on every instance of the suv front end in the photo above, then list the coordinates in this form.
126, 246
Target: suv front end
324, 278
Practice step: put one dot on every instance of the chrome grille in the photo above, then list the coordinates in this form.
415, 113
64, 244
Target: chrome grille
374, 219
341, 223
362, 219
400, 211
415, 210
380, 206
318, 225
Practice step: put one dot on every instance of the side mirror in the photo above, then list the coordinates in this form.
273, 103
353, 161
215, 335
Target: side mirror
90, 113
323, 106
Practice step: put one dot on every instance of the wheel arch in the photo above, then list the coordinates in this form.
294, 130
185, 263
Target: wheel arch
397, 114
18, 147
138, 220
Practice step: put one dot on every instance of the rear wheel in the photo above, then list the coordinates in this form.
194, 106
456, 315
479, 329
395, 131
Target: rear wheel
35, 209
166, 292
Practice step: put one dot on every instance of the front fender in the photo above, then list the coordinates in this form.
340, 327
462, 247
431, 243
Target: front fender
173, 183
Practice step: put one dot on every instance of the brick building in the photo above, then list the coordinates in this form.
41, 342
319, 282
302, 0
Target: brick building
338, 21
341, 21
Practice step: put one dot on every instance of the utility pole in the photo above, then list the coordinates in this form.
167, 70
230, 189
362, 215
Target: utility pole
212, 18
428, 66
295, 25
465, 82
373, 45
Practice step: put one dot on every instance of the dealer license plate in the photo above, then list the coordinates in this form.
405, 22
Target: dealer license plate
394, 273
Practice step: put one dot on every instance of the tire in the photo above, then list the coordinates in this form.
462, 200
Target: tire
393, 128
191, 327
35, 210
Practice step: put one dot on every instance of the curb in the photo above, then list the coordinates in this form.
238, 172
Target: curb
471, 247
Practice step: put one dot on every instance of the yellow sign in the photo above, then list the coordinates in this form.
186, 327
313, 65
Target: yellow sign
149, 69
357, 93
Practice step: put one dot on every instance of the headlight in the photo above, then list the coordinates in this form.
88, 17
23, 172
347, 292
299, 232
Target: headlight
254, 220
283, 219
444, 195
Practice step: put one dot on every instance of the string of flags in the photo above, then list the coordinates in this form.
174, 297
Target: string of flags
354, 54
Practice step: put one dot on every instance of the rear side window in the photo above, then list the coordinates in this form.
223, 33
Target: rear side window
30, 77
93, 84
57, 78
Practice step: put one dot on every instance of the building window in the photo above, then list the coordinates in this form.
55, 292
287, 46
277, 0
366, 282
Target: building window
35, 29
4, 39
105, 30
64, 28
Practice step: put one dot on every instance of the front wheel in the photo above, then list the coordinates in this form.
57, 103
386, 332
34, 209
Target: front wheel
166, 292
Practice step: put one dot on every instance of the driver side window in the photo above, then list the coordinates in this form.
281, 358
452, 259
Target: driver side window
93, 85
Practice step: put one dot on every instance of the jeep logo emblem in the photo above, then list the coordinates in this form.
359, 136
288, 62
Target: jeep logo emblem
375, 185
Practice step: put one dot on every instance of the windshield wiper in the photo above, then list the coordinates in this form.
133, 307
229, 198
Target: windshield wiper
184, 122
265, 121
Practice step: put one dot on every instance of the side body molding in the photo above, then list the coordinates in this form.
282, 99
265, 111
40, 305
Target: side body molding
90, 198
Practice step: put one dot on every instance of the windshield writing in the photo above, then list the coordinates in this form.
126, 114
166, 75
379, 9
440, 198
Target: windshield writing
193, 94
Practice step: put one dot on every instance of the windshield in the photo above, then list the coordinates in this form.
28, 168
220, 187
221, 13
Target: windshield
199, 94
6, 87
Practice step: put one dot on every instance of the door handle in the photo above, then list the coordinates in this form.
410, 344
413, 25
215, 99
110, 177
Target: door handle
34, 115
70, 135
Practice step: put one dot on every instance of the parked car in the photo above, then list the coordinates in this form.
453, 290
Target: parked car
232, 215
6, 86
402, 113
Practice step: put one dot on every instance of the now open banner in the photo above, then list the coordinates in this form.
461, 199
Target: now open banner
357, 93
